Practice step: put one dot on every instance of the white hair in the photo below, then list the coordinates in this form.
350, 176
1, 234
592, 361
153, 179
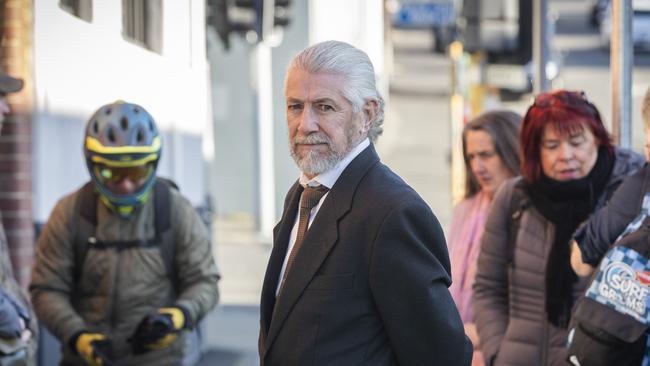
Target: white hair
340, 58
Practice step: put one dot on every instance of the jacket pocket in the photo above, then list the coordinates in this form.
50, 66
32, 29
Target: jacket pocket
332, 282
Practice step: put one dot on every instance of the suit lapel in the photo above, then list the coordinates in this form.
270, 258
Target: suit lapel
281, 234
320, 239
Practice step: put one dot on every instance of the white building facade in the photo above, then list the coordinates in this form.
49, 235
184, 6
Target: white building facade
89, 53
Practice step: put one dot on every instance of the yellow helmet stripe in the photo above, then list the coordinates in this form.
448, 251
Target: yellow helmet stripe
124, 164
94, 145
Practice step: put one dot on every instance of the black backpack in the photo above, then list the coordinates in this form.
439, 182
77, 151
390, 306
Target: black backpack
86, 208
610, 324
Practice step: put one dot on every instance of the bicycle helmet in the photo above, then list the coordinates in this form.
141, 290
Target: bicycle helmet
122, 140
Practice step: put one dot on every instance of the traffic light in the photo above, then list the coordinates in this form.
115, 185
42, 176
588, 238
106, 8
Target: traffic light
500, 28
246, 17
234, 16
281, 13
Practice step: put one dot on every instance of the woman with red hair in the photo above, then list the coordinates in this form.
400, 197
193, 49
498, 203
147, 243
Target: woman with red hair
525, 287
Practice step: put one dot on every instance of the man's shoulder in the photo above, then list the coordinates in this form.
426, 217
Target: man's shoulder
382, 175
626, 162
182, 209
68, 202
634, 185
179, 203
388, 188
639, 175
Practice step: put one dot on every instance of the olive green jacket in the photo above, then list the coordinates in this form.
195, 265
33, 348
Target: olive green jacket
116, 289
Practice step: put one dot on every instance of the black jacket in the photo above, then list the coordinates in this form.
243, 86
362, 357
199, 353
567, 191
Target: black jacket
598, 234
369, 284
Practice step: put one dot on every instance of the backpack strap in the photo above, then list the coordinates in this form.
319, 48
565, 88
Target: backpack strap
519, 202
86, 208
87, 203
162, 224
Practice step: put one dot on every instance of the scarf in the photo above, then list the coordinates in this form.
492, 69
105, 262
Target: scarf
567, 204
467, 224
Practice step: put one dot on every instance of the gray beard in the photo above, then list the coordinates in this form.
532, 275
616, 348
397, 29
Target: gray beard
314, 163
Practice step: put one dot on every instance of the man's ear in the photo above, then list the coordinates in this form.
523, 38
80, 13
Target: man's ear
370, 109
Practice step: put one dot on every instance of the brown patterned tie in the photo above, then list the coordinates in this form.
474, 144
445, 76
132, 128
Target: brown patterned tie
308, 200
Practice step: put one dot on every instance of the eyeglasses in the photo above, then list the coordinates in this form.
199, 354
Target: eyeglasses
114, 175
561, 98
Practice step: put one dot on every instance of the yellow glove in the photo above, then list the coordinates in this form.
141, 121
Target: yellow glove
158, 330
86, 347
178, 322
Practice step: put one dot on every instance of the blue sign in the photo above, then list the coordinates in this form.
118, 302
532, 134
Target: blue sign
425, 15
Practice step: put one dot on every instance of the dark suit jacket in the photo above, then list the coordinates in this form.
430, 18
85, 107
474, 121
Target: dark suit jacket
369, 284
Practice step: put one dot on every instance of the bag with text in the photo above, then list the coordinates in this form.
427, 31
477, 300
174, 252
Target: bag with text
610, 324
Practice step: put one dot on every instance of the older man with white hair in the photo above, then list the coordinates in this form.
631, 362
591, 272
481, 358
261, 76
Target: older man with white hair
359, 272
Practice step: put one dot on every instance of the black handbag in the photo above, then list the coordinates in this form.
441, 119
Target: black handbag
610, 323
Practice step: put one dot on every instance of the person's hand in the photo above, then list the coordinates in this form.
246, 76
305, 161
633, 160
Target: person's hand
472, 334
91, 347
158, 329
26, 334
579, 267
470, 330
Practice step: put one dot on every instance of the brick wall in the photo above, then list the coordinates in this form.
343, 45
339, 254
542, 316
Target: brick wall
15, 138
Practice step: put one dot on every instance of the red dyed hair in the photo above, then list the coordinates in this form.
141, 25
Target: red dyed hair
568, 112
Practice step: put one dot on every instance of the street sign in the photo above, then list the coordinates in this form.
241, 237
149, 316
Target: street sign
424, 15
511, 77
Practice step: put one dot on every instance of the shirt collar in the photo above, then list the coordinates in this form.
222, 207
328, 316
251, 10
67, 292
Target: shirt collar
330, 177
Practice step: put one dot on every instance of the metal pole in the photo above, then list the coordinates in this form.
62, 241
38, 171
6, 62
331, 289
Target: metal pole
457, 109
268, 17
621, 72
265, 138
540, 46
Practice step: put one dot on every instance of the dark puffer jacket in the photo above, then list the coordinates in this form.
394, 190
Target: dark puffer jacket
509, 300
598, 234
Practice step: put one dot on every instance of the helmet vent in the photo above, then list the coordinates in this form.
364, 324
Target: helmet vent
139, 137
136, 110
151, 128
95, 127
108, 111
124, 123
110, 135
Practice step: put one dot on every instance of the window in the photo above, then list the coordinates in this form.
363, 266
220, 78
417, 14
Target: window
82, 9
142, 23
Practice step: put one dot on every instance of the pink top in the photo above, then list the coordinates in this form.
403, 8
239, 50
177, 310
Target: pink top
467, 224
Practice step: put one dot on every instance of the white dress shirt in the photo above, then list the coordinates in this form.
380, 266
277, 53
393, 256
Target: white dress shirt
326, 179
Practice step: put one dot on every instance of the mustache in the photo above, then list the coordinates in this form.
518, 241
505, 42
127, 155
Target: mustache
314, 138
